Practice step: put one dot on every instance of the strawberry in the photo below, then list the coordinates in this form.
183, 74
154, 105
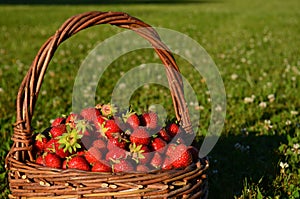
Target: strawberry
101, 166
141, 168
147, 154
156, 161
72, 119
115, 154
158, 145
111, 128
150, 120
86, 141
171, 149
53, 160
140, 136
40, 160
123, 166
93, 155
164, 135
78, 162
100, 144
167, 164
84, 127
99, 122
108, 110
40, 142
182, 158
54, 147
65, 164
172, 129
58, 130
81, 153
90, 113
116, 142
131, 119
59, 120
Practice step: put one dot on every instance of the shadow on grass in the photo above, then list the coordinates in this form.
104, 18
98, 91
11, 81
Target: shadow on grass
81, 2
236, 158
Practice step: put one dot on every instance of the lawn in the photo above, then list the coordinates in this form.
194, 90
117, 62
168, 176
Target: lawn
255, 45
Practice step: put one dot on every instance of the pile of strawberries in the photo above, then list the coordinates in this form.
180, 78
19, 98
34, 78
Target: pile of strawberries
101, 139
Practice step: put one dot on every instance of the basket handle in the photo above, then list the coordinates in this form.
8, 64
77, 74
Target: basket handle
31, 84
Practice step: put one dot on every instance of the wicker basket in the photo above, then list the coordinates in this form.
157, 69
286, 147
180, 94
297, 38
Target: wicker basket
30, 180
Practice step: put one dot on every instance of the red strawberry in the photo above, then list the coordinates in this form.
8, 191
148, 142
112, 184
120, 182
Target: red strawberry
172, 129
40, 142
123, 166
59, 120
158, 145
132, 120
111, 128
140, 136
65, 164
182, 158
141, 168
101, 166
164, 135
100, 144
81, 153
53, 160
90, 113
54, 147
115, 154
147, 154
93, 155
171, 149
84, 127
72, 119
58, 130
116, 142
99, 122
108, 110
167, 164
40, 160
150, 120
156, 161
78, 162
86, 141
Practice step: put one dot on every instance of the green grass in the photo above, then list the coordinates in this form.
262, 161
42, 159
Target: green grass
255, 45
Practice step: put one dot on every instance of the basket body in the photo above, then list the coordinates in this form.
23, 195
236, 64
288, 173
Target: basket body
30, 180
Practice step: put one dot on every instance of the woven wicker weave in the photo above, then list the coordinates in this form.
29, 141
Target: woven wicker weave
30, 180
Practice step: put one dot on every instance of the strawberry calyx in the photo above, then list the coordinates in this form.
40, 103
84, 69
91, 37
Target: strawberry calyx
69, 141
108, 110
136, 152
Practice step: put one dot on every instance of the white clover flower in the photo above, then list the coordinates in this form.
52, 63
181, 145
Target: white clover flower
296, 146
268, 124
283, 165
271, 98
296, 149
1, 90
294, 112
200, 108
243, 59
288, 122
262, 105
234, 76
248, 100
